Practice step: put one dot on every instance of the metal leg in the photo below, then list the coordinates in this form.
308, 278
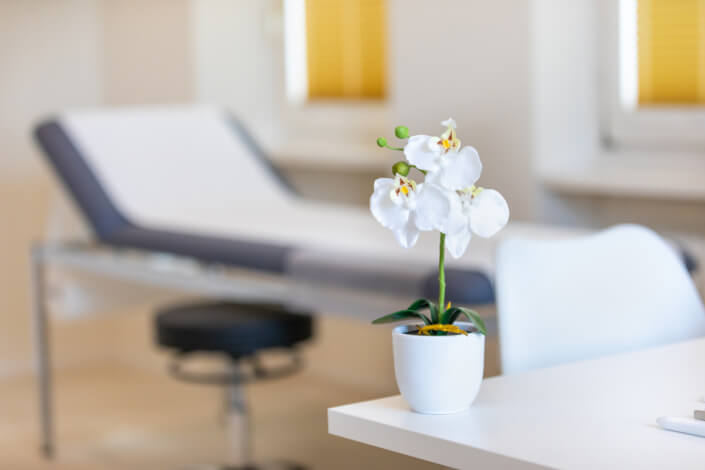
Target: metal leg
41, 345
237, 424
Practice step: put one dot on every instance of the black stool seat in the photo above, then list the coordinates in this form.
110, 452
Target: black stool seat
231, 328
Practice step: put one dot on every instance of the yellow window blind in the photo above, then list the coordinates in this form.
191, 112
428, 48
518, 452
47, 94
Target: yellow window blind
671, 51
346, 48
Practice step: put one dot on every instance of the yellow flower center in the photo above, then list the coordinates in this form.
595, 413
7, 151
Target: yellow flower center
449, 140
471, 192
425, 331
403, 188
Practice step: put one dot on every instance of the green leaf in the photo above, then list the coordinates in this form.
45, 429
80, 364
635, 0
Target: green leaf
401, 315
451, 315
420, 304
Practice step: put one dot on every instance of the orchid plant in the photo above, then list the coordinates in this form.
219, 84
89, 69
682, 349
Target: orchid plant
447, 201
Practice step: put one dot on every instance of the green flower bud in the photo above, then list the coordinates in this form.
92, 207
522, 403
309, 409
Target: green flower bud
401, 168
381, 141
402, 132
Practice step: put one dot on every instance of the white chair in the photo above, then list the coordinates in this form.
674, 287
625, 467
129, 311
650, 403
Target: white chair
619, 290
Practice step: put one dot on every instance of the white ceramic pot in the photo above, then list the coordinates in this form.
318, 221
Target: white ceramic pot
438, 374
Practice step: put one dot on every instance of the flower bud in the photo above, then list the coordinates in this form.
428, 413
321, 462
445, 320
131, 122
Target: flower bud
400, 168
381, 141
402, 132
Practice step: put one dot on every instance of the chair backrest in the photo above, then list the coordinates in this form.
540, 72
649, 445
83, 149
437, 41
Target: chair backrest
615, 291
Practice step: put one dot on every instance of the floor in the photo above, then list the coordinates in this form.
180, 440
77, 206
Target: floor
118, 417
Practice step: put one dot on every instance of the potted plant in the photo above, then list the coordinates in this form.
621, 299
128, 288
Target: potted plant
439, 360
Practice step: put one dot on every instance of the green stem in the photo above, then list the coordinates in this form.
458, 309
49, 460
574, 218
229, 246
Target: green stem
393, 148
441, 276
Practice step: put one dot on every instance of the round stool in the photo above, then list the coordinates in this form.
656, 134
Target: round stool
238, 332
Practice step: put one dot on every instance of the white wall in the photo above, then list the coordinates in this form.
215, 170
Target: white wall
565, 98
565, 93
62, 54
239, 60
567, 87
471, 62
147, 51
49, 59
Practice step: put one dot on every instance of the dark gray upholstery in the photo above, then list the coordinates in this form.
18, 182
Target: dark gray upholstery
462, 287
80, 180
238, 330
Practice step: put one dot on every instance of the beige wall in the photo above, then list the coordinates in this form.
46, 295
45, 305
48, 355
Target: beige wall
238, 61
146, 51
49, 59
58, 54
486, 89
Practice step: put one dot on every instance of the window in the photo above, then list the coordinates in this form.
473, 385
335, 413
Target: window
671, 52
655, 78
335, 49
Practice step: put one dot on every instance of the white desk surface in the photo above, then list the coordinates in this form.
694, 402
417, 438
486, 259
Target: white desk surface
586, 415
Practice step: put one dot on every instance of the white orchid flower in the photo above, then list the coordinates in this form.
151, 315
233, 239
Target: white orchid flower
439, 209
406, 208
446, 163
393, 204
485, 213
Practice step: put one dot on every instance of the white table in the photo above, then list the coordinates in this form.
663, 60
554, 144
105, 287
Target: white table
586, 415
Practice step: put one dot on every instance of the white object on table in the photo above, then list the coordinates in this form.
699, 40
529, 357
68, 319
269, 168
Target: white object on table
429, 369
684, 425
619, 290
592, 414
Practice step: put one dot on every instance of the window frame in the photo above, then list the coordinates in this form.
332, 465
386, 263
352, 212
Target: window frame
625, 125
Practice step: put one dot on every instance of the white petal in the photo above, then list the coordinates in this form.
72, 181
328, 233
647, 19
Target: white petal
456, 220
390, 215
386, 182
458, 243
439, 209
418, 153
450, 122
489, 213
460, 170
433, 178
408, 235
433, 206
